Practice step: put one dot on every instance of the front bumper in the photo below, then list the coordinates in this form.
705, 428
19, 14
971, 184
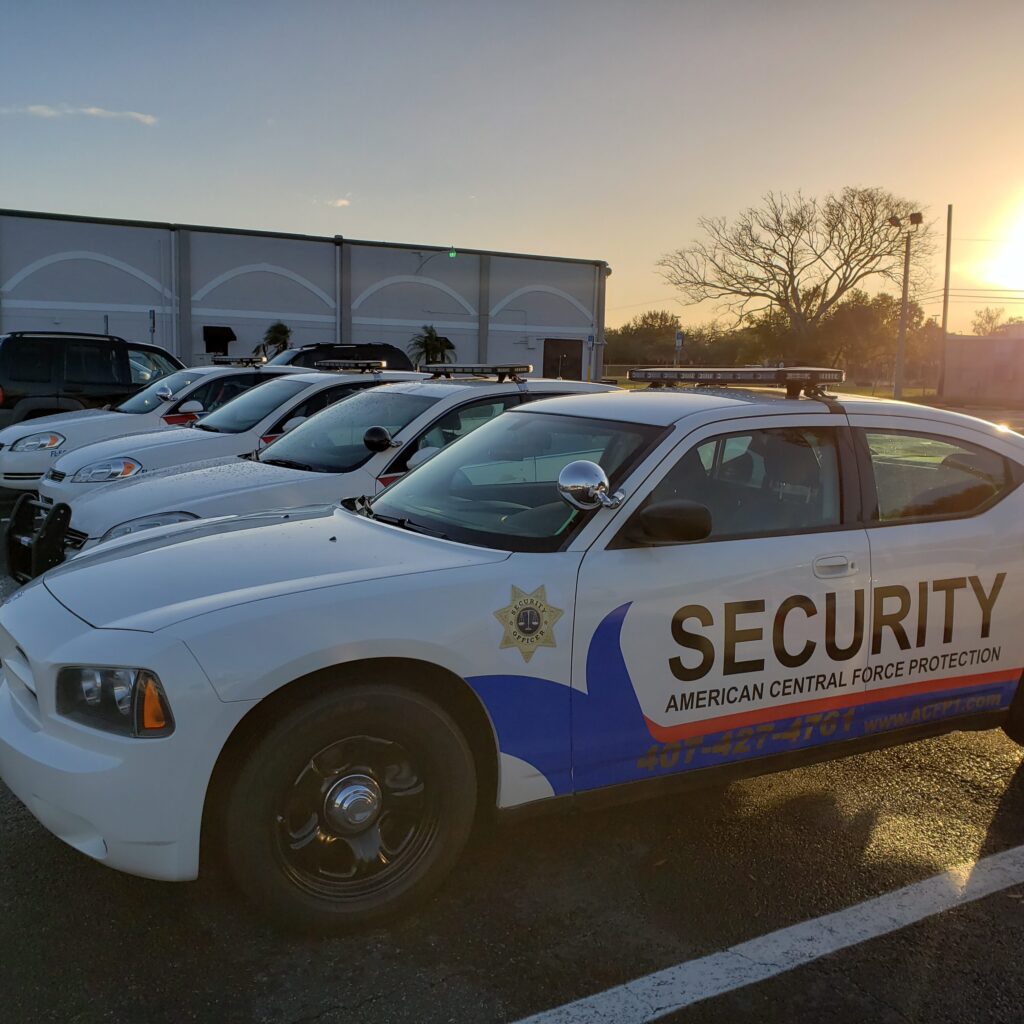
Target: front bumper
24, 471
39, 536
133, 804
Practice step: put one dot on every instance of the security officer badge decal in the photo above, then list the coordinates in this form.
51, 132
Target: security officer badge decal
528, 621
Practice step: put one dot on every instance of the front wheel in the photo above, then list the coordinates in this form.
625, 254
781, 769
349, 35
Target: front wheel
350, 809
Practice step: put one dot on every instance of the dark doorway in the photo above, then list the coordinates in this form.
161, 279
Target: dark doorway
563, 358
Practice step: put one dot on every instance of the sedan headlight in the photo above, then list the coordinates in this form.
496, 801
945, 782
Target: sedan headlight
38, 442
111, 469
147, 523
127, 701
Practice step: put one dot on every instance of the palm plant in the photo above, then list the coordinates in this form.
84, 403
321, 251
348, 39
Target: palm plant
429, 347
275, 340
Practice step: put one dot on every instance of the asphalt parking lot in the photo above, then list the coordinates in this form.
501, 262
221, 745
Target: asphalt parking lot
556, 909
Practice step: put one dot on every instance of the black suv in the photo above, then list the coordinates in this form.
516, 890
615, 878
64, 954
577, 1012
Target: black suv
310, 355
44, 372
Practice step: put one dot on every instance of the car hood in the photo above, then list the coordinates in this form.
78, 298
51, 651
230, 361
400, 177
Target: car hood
161, 445
211, 487
166, 576
58, 421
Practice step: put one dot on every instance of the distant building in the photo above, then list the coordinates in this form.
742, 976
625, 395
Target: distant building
985, 370
192, 288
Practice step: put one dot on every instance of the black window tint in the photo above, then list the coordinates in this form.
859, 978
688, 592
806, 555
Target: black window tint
760, 482
922, 477
92, 362
30, 360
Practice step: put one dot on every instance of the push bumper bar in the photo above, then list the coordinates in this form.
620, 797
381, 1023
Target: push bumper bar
35, 537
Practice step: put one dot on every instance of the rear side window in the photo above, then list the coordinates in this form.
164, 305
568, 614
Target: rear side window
92, 362
29, 360
919, 476
147, 366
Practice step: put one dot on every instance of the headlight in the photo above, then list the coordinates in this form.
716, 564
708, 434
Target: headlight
38, 442
111, 469
147, 523
128, 701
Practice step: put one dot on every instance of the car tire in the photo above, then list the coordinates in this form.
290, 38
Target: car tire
351, 809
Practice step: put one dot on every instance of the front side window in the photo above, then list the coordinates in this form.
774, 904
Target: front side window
332, 441
918, 476
92, 362
316, 403
783, 480
254, 404
147, 400
497, 487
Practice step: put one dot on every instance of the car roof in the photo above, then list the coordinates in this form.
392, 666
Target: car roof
444, 387
328, 377
665, 406
224, 368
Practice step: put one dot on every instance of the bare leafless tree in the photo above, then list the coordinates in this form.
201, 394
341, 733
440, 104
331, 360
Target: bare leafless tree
797, 254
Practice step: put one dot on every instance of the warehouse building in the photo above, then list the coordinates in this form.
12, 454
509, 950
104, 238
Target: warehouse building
203, 290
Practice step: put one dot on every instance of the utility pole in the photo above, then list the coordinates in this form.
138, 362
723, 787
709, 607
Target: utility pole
945, 302
901, 340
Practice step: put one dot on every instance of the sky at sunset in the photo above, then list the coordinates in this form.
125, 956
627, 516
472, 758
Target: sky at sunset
598, 129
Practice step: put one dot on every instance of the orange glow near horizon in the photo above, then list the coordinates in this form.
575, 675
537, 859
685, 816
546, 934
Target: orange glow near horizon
1006, 268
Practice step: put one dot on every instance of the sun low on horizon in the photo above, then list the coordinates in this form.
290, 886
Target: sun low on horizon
1005, 268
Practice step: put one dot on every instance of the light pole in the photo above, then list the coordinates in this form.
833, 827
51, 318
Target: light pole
916, 219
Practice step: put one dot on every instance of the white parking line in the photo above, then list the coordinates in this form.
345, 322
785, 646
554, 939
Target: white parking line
656, 995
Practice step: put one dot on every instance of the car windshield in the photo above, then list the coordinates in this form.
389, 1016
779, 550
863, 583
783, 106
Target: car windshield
147, 399
245, 411
332, 441
497, 487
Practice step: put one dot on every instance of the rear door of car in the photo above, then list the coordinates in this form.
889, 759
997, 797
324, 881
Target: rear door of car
945, 521
96, 371
30, 369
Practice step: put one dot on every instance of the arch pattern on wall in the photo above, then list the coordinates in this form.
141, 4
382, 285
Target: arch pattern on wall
93, 257
431, 282
263, 268
547, 289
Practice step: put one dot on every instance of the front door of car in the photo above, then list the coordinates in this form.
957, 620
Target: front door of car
749, 642
946, 534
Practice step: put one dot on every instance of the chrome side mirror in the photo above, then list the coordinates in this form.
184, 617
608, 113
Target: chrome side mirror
165, 394
584, 485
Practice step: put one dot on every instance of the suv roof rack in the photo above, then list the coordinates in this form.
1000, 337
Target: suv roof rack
63, 334
239, 361
503, 371
362, 365
809, 380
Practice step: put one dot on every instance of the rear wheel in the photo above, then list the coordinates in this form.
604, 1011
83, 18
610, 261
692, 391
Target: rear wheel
351, 809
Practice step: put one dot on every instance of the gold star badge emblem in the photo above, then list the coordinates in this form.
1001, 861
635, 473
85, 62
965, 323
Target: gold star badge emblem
529, 622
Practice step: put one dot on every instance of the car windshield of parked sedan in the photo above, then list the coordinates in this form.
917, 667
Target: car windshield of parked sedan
147, 399
245, 411
332, 441
497, 487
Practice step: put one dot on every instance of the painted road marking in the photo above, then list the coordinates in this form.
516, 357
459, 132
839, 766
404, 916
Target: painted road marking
664, 992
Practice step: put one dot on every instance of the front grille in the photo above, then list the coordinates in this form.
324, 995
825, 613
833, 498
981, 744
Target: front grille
75, 539
55, 474
23, 476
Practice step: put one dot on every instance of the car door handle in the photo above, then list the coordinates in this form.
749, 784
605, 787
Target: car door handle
830, 566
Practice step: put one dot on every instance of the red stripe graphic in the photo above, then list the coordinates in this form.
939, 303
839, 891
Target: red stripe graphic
669, 733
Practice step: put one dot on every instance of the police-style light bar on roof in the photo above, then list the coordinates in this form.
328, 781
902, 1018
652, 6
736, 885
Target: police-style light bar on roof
512, 371
362, 365
809, 379
239, 361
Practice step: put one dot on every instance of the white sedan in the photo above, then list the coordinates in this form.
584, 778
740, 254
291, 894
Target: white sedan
352, 449
28, 449
592, 593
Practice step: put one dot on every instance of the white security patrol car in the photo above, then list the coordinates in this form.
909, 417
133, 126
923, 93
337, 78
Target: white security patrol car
584, 593
29, 448
352, 449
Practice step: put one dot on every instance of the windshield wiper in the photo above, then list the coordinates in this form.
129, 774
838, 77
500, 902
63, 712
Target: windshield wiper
402, 523
290, 464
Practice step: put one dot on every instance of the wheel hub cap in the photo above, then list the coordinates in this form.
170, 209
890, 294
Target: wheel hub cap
353, 804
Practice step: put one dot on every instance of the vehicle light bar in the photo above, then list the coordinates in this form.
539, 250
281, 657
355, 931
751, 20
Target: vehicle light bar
363, 365
793, 378
239, 361
513, 371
